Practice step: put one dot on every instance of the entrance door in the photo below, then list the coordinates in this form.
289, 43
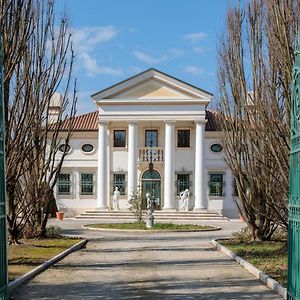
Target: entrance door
151, 183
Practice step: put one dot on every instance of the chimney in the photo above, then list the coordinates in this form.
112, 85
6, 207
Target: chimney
54, 108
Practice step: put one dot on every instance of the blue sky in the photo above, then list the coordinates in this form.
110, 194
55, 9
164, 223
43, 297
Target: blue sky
115, 39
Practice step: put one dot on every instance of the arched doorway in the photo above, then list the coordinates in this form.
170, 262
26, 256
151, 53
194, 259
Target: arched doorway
151, 183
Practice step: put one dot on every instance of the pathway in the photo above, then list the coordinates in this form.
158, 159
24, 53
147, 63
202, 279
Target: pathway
146, 266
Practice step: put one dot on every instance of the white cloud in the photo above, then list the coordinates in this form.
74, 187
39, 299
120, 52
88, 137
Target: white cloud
195, 37
148, 59
154, 60
199, 50
85, 41
87, 38
93, 68
194, 70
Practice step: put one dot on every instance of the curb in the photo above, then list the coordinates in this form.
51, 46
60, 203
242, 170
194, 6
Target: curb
31, 274
266, 279
148, 231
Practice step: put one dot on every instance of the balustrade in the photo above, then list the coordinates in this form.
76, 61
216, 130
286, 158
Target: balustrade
154, 154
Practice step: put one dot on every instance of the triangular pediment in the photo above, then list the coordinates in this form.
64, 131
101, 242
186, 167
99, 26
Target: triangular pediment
152, 84
153, 89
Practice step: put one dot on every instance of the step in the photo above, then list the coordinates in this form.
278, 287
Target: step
156, 216
159, 215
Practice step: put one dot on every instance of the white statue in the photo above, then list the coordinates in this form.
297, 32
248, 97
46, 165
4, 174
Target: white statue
184, 196
149, 217
149, 202
116, 199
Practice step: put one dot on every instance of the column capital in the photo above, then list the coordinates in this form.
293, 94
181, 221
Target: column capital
133, 122
170, 122
200, 122
102, 123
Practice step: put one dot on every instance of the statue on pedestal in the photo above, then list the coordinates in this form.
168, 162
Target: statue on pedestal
184, 196
149, 217
116, 199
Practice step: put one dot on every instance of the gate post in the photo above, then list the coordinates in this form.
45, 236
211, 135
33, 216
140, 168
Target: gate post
294, 197
3, 232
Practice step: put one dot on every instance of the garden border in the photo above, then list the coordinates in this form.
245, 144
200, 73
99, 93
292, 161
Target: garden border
48, 263
266, 279
148, 231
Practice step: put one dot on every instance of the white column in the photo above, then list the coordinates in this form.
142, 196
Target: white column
200, 199
77, 182
102, 167
169, 166
132, 158
108, 159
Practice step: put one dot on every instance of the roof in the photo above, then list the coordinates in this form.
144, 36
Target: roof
89, 122
140, 77
86, 122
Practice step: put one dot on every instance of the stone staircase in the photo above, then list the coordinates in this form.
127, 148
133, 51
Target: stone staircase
161, 216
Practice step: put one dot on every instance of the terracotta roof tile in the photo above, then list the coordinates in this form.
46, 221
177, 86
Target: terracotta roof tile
86, 122
89, 122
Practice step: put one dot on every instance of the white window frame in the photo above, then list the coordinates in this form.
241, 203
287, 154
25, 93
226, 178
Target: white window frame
70, 185
81, 183
223, 183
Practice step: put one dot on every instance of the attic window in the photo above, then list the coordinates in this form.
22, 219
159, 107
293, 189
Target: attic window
87, 148
216, 148
64, 148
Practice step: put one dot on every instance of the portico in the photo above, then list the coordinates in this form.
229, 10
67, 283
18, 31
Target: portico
162, 120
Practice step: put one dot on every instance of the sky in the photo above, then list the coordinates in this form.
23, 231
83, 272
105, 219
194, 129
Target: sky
116, 39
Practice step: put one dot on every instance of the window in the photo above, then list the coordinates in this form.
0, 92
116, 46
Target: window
216, 184
183, 138
64, 184
216, 148
183, 182
119, 138
119, 181
87, 148
64, 148
151, 138
87, 183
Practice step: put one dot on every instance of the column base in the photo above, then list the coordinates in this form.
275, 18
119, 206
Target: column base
169, 209
102, 208
199, 209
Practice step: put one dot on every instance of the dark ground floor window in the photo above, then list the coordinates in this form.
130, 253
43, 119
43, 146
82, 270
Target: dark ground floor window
64, 184
216, 184
119, 181
182, 182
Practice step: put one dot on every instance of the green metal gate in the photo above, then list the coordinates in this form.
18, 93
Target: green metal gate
294, 199
3, 237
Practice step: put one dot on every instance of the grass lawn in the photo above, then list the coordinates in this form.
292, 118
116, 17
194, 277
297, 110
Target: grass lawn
269, 257
31, 253
157, 226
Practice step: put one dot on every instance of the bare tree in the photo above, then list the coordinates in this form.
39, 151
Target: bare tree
42, 65
255, 63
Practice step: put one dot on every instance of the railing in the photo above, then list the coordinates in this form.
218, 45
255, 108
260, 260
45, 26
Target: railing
151, 154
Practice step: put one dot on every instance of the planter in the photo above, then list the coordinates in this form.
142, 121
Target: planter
59, 215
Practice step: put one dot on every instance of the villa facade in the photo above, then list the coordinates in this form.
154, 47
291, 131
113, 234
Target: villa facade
151, 132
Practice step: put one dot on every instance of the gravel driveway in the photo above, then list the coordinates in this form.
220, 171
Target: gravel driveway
146, 266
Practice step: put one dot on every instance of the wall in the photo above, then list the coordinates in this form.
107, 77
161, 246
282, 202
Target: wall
76, 162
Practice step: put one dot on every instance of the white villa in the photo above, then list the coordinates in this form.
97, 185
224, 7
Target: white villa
154, 118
